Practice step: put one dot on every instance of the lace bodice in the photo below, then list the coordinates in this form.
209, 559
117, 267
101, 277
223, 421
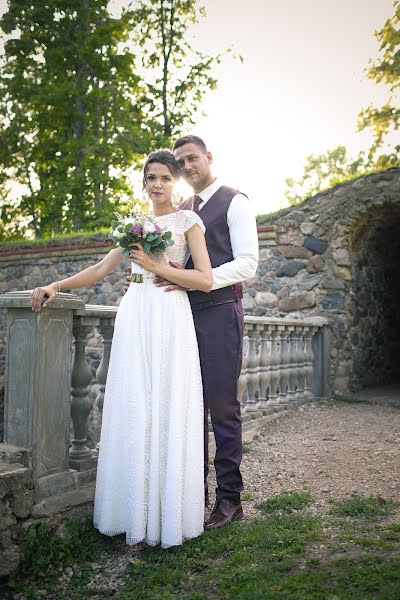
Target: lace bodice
178, 223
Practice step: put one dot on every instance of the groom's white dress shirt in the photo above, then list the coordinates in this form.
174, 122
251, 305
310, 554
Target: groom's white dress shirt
244, 240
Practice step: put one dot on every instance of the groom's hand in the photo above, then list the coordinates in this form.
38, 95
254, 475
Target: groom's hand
169, 287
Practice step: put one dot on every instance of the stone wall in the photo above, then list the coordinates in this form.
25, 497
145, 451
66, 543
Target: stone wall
336, 256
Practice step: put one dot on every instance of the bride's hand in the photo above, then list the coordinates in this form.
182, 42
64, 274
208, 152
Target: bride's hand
42, 296
139, 256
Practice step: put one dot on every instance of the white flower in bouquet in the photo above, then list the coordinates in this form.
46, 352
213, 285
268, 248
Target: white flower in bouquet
149, 227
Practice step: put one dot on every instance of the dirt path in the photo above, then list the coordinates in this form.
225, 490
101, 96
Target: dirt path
331, 449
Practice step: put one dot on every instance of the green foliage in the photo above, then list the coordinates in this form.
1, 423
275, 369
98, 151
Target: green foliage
286, 502
243, 560
279, 556
44, 553
72, 114
246, 447
272, 217
65, 239
83, 96
385, 69
177, 75
364, 507
323, 171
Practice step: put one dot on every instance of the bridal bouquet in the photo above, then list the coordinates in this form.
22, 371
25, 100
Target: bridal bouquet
142, 229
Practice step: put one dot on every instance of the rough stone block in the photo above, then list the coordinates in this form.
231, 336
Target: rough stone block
290, 268
345, 273
294, 251
310, 281
291, 237
333, 301
266, 298
307, 228
315, 244
316, 264
341, 256
333, 284
297, 302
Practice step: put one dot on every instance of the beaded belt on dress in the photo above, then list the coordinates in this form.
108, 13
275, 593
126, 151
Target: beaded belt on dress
142, 277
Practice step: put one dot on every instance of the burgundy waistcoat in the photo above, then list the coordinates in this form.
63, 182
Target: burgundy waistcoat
214, 217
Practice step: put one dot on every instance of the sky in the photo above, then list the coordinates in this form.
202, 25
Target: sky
298, 91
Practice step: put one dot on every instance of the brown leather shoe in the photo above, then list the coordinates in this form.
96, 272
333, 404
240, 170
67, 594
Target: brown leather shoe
225, 512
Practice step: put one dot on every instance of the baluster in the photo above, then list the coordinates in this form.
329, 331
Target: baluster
285, 367
106, 329
252, 370
274, 363
291, 390
300, 369
242, 383
264, 364
81, 404
309, 361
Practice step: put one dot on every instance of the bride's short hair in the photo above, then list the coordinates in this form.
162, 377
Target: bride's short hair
163, 157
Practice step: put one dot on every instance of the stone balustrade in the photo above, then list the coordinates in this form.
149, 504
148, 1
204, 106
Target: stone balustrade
285, 362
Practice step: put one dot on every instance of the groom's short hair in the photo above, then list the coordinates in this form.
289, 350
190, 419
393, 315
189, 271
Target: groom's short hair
190, 139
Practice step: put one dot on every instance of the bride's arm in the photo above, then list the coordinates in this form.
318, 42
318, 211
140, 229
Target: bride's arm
85, 278
199, 278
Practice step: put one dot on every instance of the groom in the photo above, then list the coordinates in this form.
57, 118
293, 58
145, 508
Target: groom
232, 243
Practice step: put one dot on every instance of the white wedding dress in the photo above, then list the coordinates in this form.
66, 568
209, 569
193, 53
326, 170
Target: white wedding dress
150, 469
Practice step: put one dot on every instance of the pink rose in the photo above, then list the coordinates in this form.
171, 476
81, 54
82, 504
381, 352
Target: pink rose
149, 227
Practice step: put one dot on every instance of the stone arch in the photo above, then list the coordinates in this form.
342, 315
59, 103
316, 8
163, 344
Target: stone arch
375, 328
337, 255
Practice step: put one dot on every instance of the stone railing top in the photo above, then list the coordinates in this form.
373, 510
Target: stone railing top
97, 310
274, 321
23, 300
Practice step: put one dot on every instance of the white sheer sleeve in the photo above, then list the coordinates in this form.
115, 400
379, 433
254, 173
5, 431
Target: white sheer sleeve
190, 218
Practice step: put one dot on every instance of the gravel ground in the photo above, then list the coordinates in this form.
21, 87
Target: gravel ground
331, 449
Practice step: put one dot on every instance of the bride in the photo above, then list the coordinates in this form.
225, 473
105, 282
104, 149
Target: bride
150, 470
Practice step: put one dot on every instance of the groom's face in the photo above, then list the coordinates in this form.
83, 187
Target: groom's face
195, 166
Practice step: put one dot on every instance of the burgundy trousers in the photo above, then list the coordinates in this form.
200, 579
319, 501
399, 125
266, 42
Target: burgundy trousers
219, 332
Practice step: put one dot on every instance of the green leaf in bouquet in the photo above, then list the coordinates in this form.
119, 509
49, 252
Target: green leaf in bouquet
151, 236
125, 244
128, 227
146, 248
125, 252
114, 224
167, 235
154, 242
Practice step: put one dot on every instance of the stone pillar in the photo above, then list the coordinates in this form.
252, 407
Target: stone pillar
38, 386
321, 348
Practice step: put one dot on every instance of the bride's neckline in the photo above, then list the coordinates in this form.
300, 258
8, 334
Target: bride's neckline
166, 215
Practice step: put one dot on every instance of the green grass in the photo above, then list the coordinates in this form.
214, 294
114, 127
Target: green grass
45, 554
58, 240
287, 502
351, 553
365, 507
246, 447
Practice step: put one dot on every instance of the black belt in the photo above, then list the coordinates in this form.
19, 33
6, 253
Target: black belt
203, 305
